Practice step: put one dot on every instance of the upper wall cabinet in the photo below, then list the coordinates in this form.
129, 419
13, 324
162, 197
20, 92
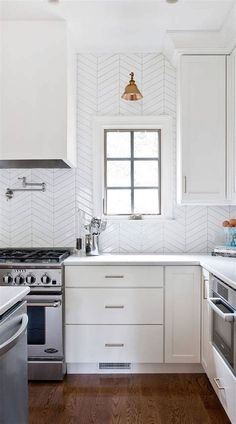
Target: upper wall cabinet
37, 89
231, 127
202, 129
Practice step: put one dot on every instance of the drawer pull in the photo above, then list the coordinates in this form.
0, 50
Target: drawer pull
114, 344
114, 276
217, 383
114, 306
185, 184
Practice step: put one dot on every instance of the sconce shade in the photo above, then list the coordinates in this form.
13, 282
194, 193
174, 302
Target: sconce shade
131, 92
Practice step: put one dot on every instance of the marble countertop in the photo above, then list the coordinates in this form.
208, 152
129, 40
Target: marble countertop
9, 296
223, 268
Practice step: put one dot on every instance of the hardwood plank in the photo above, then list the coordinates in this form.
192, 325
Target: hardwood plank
126, 399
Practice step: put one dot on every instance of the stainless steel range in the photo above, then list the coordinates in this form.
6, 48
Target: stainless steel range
42, 270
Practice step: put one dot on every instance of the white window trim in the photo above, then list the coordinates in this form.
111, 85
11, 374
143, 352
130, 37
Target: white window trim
162, 122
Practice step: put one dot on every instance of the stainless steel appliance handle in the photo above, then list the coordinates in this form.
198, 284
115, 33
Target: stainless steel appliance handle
55, 304
7, 345
226, 317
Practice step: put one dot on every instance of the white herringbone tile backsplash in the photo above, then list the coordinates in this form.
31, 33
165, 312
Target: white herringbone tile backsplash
51, 218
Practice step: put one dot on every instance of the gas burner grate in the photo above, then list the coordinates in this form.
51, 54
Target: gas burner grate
34, 255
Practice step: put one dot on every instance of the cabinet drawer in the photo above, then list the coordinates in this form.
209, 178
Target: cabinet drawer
114, 306
224, 384
114, 276
114, 343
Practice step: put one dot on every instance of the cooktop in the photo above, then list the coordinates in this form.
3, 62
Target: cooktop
34, 255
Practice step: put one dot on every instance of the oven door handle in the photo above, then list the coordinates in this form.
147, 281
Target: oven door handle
8, 344
226, 317
55, 304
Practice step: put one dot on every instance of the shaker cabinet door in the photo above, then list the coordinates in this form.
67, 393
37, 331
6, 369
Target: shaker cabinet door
182, 314
202, 129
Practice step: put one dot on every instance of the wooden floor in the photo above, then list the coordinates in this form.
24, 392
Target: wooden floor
126, 399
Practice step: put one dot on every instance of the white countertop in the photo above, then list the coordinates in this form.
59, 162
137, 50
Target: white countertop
223, 268
134, 259
9, 296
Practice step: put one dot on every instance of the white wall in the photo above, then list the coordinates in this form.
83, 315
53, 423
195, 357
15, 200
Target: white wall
50, 218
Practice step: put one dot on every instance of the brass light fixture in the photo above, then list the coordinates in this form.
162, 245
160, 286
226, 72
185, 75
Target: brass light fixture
131, 92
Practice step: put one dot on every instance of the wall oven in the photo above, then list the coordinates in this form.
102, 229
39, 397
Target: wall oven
222, 300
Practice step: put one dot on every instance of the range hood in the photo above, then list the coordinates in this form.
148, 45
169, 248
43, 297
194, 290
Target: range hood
38, 92
34, 163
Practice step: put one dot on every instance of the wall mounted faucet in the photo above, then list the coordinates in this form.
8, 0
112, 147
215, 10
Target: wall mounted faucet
10, 191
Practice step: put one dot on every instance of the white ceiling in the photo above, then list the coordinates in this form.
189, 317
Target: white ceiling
122, 25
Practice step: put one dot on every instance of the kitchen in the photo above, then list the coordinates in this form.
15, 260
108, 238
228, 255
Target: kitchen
128, 318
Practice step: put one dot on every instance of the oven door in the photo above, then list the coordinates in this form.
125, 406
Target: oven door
45, 334
223, 329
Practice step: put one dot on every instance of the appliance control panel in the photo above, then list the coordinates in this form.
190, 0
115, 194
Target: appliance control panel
31, 277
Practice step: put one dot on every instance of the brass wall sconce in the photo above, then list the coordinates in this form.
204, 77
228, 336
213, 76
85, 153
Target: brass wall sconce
131, 92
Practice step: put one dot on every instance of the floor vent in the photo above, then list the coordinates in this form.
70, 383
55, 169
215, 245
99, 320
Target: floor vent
114, 365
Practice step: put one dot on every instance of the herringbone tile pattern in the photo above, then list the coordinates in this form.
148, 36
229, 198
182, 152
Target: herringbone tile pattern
51, 218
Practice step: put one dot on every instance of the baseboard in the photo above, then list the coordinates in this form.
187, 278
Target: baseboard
93, 368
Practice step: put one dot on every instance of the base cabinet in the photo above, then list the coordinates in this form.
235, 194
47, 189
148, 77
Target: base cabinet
224, 384
206, 323
114, 314
222, 379
114, 343
114, 306
182, 314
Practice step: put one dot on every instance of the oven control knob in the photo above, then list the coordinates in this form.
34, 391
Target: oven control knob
19, 279
45, 279
7, 279
30, 279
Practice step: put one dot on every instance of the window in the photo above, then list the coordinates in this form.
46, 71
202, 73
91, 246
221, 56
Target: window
132, 177
132, 167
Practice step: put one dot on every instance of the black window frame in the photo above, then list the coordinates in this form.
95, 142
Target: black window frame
132, 160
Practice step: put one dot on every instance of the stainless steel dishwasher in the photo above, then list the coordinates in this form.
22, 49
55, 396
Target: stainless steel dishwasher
13, 366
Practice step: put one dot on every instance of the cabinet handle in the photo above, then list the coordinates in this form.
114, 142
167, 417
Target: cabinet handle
114, 306
114, 344
114, 276
185, 184
217, 383
205, 280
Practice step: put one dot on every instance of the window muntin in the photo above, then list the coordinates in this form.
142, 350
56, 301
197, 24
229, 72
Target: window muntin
132, 165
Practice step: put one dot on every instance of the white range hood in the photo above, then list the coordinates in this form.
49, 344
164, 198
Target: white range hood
37, 89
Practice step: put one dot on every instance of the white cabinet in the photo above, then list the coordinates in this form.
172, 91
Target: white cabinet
114, 343
202, 129
114, 314
38, 93
206, 348
224, 384
182, 314
114, 276
231, 127
114, 305
219, 374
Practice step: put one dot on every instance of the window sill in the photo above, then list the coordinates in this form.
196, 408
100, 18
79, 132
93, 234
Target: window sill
151, 218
